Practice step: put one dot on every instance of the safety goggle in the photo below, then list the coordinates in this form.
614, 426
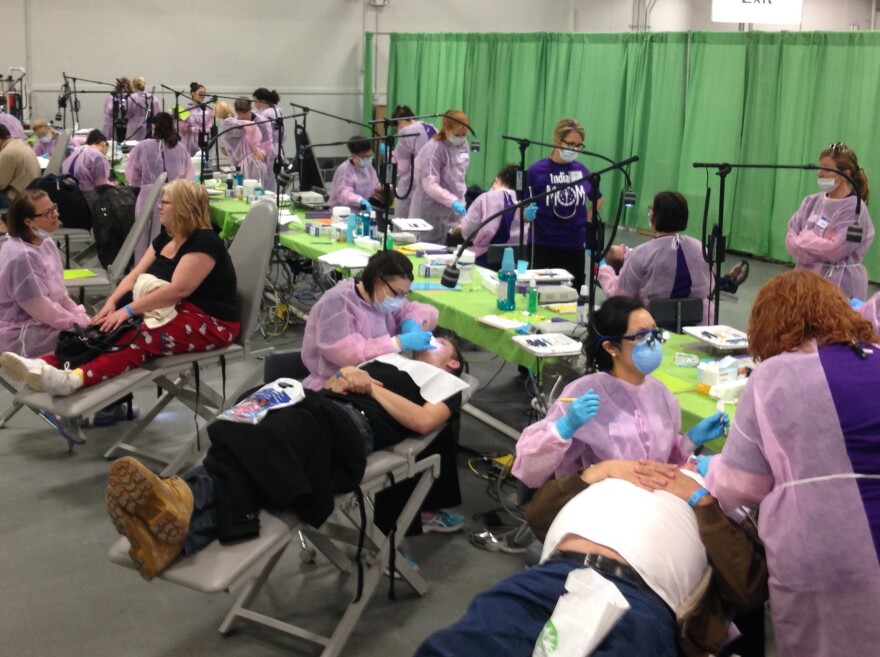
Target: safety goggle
649, 336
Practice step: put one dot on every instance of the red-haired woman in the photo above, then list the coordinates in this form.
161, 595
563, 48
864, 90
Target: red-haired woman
438, 175
805, 444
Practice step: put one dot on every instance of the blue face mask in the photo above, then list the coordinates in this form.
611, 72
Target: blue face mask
366, 162
647, 357
389, 304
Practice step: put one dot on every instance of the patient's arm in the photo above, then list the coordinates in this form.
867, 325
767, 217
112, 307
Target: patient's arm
419, 419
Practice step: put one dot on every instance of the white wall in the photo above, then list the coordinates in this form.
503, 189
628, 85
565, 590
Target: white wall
309, 50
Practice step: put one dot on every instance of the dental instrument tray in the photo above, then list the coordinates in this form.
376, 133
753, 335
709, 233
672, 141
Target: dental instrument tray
545, 276
720, 337
548, 345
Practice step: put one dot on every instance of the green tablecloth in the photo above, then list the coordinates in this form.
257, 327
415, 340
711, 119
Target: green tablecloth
227, 214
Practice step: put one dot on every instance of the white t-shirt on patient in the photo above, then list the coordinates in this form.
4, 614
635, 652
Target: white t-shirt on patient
655, 532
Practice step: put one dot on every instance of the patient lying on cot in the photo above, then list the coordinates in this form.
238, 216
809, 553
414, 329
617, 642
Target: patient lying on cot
295, 460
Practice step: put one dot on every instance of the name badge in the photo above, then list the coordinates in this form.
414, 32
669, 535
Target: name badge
464, 156
576, 175
822, 223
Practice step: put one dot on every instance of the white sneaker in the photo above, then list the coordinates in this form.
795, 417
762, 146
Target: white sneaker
26, 370
59, 383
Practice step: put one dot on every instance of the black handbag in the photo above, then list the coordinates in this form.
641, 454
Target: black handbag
82, 344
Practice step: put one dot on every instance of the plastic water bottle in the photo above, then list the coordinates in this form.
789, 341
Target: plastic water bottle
466, 267
507, 282
364, 230
583, 307
533, 297
351, 227
230, 185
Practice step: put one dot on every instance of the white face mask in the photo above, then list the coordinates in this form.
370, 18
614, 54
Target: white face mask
46, 138
827, 184
457, 141
41, 234
567, 156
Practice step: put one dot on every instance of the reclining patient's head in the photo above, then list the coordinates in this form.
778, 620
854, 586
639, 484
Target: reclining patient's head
447, 356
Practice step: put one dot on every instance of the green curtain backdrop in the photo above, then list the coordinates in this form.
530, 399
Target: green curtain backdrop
670, 98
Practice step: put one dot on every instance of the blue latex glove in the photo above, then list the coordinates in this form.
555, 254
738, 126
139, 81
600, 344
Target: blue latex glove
709, 428
416, 341
703, 464
409, 325
602, 262
382, 149
458, 208
855, 304
531, 212
365, 204
579, 412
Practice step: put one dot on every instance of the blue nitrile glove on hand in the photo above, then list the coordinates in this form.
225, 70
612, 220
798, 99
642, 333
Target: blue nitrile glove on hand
579, 411
602, 262
458, 208
703, 464
409, 325
855, 304
531, 212
365, 204
709, 428
382, 149
416, 341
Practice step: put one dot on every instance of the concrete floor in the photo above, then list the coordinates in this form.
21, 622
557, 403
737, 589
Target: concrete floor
61, 597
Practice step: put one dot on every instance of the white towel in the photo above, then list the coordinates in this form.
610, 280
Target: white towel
145, 284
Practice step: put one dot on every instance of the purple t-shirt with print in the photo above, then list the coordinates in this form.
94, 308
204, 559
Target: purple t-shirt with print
562, 217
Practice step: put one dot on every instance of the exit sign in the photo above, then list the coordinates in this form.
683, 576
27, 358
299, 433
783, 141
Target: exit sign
757, 11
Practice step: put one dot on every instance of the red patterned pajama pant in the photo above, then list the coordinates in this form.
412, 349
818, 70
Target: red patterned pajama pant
192, 331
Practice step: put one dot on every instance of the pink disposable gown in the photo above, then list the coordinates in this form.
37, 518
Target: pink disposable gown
89, 166
351, 183
45, 147
145, 163
191, 127
344, 329
108, 114
501, 230
667, 267
34, 304
271, 144
816, 240
871, 312
404, 154
240, 144
633, 422
805, 444
439, 181
136, 112
16, 130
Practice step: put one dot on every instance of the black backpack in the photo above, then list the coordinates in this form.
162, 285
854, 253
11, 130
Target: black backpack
112, 210
64, 191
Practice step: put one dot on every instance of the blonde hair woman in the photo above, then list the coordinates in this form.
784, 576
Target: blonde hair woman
200, 288
560, 229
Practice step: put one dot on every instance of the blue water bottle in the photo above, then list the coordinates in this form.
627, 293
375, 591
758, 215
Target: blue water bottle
365, 224
507, 282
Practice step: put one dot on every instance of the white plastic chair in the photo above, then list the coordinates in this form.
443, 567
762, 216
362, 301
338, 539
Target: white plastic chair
175, 375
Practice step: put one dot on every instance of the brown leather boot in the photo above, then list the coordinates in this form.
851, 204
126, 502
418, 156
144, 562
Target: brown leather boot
164, 505
151, 556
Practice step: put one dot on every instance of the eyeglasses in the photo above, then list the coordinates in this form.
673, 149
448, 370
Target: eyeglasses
650, 336
51, 210
571, 145
838, 147
399, 295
